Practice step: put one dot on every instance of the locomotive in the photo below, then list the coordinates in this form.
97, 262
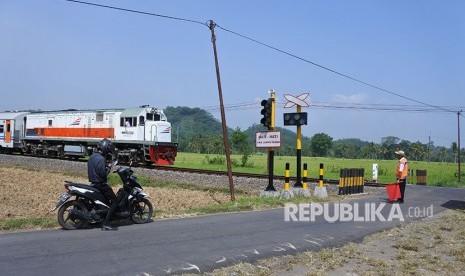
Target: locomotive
140, 135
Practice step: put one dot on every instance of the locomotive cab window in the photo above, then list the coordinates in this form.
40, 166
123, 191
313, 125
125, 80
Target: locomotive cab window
153, 117
141, 120
1, 128
128, 121
50, 123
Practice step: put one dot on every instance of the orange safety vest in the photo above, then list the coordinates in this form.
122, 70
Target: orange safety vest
402, 174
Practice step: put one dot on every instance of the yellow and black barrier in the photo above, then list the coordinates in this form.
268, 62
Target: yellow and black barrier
351, 181
304, 177
421, 177
416, 177
320, 179
287, 178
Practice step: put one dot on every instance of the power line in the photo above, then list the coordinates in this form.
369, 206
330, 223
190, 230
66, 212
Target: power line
333, 71
338, 105
268, 46
138, 12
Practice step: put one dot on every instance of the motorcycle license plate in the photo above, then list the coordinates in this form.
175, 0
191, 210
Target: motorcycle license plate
64, 197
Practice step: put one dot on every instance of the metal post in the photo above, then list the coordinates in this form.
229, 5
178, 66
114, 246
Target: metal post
270, 171
458, 144
223, 116
298, 182
271, 150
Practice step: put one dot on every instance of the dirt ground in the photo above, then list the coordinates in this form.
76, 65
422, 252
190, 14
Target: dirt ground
32, 194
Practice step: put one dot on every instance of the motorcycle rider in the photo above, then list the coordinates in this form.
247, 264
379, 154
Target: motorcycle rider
98, 170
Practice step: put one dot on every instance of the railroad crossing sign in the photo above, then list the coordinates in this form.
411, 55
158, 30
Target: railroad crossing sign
298, 119
299, 100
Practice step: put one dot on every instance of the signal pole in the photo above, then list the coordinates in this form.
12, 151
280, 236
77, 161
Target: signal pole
271, 150
268, 121
458, 144
298, 183
297, 119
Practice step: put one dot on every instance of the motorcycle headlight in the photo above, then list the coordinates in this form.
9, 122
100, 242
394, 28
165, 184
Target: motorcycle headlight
136, 191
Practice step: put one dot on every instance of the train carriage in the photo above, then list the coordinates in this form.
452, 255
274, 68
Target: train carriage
140, 134
11, 131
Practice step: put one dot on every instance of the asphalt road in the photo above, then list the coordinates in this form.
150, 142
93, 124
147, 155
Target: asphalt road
208, 242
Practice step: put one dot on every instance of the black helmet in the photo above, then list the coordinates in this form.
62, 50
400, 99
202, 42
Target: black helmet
106, 146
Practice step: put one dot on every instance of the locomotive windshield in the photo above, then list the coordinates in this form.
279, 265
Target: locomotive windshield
155, 117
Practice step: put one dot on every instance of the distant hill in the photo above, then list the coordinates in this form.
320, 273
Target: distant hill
190, 125
196, 130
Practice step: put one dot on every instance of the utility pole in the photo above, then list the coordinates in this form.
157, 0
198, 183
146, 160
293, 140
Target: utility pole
223, 116
458, 143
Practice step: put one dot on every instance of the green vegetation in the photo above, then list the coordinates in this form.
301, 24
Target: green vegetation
200, 141
28, 223
250, 204
439, 173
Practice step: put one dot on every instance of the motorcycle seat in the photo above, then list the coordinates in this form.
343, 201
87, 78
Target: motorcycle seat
81, 185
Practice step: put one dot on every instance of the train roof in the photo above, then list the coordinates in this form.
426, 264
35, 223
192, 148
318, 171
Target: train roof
131, 110
11, 115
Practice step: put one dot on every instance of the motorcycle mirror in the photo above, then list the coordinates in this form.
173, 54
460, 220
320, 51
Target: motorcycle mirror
114, 163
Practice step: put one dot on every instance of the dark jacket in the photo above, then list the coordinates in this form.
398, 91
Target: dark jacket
97, 169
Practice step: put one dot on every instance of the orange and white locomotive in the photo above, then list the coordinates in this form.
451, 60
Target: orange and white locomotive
141, 134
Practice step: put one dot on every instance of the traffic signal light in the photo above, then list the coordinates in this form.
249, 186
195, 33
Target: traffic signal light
268, 113
295, 119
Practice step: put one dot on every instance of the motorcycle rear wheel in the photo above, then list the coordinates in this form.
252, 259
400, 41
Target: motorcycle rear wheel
141, 211
66, 220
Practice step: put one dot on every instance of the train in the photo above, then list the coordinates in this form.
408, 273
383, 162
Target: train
140, 134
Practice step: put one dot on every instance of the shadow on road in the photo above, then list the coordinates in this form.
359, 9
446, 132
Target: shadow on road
454, 204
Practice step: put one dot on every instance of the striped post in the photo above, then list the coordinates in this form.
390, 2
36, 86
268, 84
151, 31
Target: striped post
320, 180
421, 177
304, 177
341, 182
362, 185
286, 178
351, 181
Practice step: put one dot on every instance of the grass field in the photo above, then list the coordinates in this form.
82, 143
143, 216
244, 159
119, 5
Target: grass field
438, 174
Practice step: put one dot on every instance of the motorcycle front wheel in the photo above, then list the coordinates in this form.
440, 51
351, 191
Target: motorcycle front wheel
141, 211
67, 219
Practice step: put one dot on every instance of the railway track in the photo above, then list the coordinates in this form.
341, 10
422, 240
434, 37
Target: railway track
253, 175
211, 172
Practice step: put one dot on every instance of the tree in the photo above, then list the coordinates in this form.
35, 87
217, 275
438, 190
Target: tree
418, 150
320, 144
454, 150
389, 145
442, 153
240, 145
371, 151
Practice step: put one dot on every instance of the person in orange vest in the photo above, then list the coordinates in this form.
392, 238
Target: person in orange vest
401, 173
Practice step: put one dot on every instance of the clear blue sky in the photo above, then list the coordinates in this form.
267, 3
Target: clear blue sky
55, 55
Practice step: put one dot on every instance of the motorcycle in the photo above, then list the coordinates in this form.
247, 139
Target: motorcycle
90, 207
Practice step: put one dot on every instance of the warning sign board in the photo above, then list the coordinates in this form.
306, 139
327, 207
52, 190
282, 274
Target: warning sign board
268, 139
